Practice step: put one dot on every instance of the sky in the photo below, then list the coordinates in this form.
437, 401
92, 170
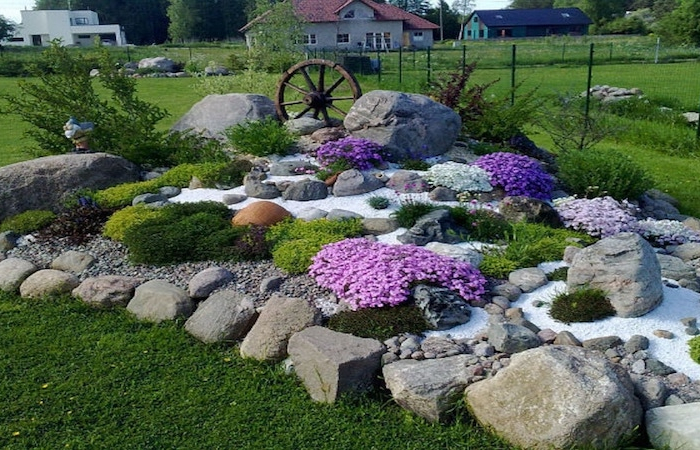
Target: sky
10, 8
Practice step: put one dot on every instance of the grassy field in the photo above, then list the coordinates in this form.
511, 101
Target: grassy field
79, 378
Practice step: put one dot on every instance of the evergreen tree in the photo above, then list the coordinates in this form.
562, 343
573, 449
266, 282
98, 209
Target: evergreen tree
418, 7
7, 28
531, 4
682, 25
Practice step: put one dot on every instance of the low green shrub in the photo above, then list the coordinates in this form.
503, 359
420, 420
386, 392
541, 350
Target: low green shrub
496, 265
582, 305
260, 137
295, 242
559, 274
76, 225
410, 211
482, 225
125, 218
28, 221
694, 345
378, 202
380, 323
597, 173
228, 173
414, 164
190, 232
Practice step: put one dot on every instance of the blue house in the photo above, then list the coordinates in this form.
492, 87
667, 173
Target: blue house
518, 23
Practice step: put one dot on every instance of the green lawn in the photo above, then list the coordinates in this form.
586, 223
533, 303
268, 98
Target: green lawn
74, 377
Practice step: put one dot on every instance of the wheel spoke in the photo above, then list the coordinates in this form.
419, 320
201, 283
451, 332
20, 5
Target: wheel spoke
332, 99
306, 76
326, 117
293, 102
338, 110
321, 78
337, 83
296, 88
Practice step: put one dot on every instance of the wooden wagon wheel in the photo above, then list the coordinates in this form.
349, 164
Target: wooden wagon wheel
317, 85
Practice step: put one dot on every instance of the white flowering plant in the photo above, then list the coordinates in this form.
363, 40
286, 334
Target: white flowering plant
666, 232
459, 177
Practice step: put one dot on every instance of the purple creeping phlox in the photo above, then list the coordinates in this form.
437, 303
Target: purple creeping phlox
598, 217
517, 174
368, 274
361, 154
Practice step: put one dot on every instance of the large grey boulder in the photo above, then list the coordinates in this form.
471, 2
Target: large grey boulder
48, 282
407, 125
512, 338
226, 316
430, 388
436, 226
216, 112
42, 183
353, 182
676, 269
674, 427
279, 320
107, 291
330, 363
159, 300
159, 63
73, 261
557, 397
528, 279
625, 267
441, 307
13, 271
207, 281
306, 190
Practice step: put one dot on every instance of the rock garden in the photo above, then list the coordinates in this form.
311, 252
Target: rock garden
352, 253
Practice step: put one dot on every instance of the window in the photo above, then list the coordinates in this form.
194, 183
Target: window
566, 15
475, 19
349, 15
84, 36
481, 33
342, 38
81, 21
309, 39
17, 39
417, 35
378, 40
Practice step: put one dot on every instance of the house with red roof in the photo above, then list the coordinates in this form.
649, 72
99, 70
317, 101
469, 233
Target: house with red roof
357, 24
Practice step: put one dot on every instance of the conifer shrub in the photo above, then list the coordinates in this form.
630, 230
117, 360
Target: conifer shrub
380, 323
378, 202
28, 221
410, 211
597, 173
482, 224
125, 218
694, 345
191, 232
559, 274
295, 242
496, 265
582, 305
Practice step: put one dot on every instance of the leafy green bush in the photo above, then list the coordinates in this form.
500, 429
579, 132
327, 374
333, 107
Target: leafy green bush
410, 211
414, 164
597, 173
260, 137
582, 305
694, 344
77, 225
295, 242
380, 323
496, 265
61, 87
125, 218
483, 225
191, 232
28, 221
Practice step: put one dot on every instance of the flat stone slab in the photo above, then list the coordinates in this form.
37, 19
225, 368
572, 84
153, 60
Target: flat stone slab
674, 427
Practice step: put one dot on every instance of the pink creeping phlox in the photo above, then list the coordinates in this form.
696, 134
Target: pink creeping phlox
368, 274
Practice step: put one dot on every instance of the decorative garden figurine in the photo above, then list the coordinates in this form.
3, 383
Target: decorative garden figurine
78, 133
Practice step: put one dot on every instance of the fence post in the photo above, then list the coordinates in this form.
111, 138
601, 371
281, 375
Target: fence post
464, 59
400, 65
379, 68
611, 52
656, 52
429, 67
586, 116
563, 51
512, 77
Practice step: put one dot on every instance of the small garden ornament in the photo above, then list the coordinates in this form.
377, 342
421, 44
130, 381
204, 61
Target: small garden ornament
78, 132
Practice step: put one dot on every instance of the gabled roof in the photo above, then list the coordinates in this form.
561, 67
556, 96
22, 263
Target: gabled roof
322, 11
541, 17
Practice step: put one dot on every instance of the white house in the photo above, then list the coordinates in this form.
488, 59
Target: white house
71, 27
353, 24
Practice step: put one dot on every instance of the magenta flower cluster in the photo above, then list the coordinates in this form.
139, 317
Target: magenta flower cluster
367, 274
517, 174
598, 217
359, 153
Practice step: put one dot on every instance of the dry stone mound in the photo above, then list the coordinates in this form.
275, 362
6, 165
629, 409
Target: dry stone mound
557, 397
41, 183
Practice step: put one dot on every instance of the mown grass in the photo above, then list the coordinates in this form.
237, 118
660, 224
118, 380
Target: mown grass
75, 377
